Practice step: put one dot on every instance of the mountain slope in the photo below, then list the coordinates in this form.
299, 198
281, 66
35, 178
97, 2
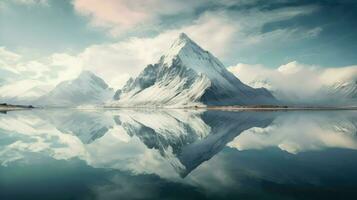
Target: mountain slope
188, 75
86, 89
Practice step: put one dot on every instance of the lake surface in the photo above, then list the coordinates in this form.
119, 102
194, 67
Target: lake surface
178, 154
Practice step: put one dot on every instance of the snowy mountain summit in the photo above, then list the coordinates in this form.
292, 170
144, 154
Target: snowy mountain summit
188, 75
86, 89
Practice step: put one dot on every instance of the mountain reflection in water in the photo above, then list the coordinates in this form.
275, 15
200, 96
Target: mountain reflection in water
239, 154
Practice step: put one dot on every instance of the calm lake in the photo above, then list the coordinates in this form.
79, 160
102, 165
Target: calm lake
177, 154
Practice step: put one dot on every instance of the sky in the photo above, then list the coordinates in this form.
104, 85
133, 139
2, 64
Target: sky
44, 42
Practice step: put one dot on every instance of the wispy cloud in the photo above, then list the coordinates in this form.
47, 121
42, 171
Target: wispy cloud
30, 2
19, 75
122, 15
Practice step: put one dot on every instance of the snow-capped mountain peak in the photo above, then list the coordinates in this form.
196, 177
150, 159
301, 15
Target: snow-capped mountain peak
89, 77
188, 75
187, 53
182, 40
86, 89
191, 55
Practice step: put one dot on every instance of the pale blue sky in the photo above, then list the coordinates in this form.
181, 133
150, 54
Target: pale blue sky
46, 29
56, 26
120, 36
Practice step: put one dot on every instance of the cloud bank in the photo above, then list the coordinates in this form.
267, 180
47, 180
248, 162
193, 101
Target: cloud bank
294, 81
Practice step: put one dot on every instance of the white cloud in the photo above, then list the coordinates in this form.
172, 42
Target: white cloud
11, 62
122, 15
117, 62
333, 75
31, 2
24, 88
7, 57
30, 78
293, 81
66, 67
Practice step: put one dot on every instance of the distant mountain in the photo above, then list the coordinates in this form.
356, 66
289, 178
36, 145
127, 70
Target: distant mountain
23, 92
340, 93
86, 89
284, 94
188, 75
334, 87
346, 89
340, 86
